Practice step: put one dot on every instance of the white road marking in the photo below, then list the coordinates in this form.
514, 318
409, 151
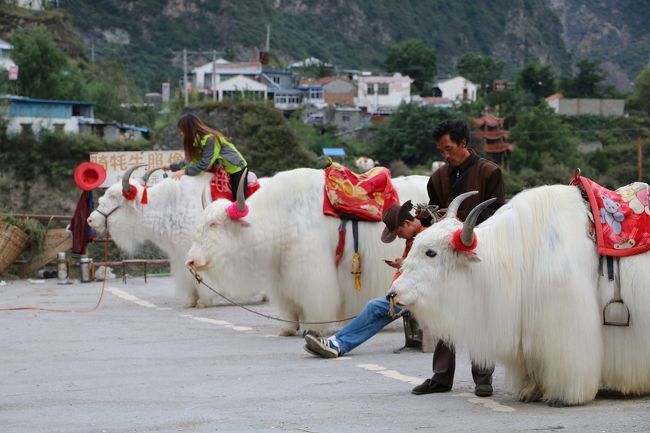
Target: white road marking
129, 297
486, 402
208, 320
223, 323
394, 374
132, 298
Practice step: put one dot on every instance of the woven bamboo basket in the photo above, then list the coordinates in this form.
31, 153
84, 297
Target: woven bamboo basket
13, 242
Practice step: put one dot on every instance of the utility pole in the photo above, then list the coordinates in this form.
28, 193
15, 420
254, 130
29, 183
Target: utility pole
639, 159
268, 37
185, 94
214, 75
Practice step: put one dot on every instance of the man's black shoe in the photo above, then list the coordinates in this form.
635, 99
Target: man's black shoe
429, 387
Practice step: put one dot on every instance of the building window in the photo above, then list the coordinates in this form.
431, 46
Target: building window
316, 93
276, 80
371, 89
382, 89
345, 118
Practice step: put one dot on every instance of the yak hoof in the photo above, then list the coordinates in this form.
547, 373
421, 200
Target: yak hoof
201, 304
287, 332
530, 394
530, 398
190, 304
556, 402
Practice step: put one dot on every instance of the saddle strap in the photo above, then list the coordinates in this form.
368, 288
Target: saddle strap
340, 247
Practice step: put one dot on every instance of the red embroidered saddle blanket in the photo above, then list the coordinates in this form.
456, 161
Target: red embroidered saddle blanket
363, 195
621, 217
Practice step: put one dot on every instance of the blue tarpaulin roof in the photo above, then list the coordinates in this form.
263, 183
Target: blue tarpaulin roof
25, 99
333, 151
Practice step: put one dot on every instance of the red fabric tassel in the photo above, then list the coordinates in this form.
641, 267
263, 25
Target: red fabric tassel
144, 196
134, 193
340, 247
457, 244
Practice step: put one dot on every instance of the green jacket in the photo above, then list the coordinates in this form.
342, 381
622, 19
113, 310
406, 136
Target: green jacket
212, 149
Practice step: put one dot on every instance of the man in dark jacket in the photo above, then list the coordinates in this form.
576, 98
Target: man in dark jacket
464, 171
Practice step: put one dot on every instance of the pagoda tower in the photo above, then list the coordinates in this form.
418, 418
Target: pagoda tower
493, 138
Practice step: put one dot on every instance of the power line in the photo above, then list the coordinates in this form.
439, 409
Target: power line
639, 129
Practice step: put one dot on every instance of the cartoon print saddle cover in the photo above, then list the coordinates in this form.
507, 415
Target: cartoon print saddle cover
621, 217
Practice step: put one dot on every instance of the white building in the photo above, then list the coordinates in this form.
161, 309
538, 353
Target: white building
382, 94
27, 115
241, 86
5, 55
578, 106
36, 5
458, 89
223, 70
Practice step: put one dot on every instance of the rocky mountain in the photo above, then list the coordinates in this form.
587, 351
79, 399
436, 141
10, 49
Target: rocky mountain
613, 30
149, 35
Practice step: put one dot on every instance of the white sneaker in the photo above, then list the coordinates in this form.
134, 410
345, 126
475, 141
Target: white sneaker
322, 346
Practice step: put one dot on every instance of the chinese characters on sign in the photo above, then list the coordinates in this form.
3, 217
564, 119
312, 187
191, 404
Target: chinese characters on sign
116, 163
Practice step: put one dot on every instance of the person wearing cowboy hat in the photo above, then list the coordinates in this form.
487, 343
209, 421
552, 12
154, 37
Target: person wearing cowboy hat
400, 223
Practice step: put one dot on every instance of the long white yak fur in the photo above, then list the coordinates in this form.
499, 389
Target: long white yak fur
534, 300
287, 246
168, 220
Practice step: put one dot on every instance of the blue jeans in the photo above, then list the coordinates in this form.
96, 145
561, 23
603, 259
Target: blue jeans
370, 321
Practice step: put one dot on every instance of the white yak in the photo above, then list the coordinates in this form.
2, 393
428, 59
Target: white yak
287, 244
530, 296
168, 220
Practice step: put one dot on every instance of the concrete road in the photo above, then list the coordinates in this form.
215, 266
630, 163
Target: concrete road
142, 363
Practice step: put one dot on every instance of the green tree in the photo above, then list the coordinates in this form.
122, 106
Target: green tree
113, 90
537, 79
415, 59
641, 94
542, 140
407, 135
587, 83
44, 70
479, 69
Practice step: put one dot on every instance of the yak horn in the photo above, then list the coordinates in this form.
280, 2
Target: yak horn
241, 200
126, 187
203, 201
148, 174
452, 209
467, 235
